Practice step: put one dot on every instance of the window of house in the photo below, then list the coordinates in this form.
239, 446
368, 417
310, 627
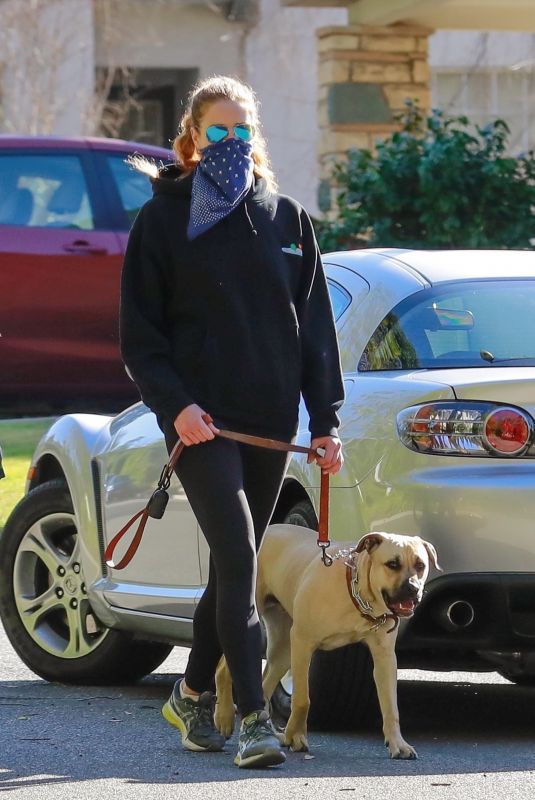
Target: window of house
149, 108
144, 122
485, 95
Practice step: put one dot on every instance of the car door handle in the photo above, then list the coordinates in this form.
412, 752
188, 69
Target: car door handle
81, 246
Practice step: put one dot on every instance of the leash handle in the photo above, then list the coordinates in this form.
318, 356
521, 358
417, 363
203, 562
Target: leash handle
134, 544
165, 480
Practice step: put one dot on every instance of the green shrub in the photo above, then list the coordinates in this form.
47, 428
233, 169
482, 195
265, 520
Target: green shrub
438, 182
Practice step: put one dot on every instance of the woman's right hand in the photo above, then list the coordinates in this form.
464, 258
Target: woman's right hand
191, 427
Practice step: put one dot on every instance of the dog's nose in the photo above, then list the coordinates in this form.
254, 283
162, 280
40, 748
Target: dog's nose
412, 588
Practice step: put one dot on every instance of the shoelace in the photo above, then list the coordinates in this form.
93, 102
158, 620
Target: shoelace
256, 729
205, 713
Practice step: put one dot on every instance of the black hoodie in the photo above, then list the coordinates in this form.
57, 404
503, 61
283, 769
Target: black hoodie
238, 320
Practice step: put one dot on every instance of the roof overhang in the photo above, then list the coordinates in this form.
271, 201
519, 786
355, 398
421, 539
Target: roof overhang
517, 15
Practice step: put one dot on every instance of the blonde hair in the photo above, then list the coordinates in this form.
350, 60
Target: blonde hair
205, 92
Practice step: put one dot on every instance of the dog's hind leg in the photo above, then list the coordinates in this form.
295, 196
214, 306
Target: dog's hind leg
225, 712
278, 624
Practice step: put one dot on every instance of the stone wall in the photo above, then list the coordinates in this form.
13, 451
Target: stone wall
365, 75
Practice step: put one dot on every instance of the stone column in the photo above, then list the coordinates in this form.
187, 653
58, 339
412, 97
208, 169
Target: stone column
365, 75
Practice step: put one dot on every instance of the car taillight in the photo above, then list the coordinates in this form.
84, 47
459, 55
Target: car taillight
469, 428
507, 431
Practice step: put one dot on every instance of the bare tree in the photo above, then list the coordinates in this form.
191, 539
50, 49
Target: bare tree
34, 44
47, 66
49, 81
106, 114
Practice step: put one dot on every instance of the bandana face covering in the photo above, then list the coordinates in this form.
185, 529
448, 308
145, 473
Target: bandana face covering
221, 180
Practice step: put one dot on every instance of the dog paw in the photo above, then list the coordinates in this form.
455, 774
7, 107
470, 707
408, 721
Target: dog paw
224, 721
295, 741
401, 749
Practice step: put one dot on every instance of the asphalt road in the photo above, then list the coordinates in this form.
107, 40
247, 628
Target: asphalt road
474, 734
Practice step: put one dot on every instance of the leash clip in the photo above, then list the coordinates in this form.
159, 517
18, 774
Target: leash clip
325, 557
164, 481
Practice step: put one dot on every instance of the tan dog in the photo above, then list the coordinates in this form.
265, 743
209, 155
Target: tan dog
307, 606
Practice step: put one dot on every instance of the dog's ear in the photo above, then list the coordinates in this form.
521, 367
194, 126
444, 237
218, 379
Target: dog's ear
432, 553
369, 542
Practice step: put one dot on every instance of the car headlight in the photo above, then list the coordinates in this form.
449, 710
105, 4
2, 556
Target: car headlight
469, 428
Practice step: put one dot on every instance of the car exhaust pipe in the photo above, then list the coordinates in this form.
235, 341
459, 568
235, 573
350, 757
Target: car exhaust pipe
457, 615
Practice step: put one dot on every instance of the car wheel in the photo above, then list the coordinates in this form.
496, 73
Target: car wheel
341, 684
44, 603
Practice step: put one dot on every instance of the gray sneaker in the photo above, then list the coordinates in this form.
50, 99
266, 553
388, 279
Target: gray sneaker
258, 745
194, 719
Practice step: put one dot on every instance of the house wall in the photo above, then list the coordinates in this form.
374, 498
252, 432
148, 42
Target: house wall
282, 66
276, 54
173, 34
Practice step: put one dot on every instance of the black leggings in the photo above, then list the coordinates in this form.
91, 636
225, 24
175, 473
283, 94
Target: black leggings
232, 488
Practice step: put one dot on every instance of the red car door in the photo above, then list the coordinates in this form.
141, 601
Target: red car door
58, 275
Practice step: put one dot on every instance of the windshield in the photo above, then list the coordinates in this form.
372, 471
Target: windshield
462, 324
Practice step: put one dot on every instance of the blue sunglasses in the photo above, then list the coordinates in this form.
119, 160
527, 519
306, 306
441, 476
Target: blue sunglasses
216, 133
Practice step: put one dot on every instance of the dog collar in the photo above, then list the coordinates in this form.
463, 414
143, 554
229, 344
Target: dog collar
362, 605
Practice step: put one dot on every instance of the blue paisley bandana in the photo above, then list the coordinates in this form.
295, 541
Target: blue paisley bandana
221, 180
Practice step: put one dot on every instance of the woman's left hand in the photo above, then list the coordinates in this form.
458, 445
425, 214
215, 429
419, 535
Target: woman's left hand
333, 459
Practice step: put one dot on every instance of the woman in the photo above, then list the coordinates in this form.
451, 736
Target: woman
225, 311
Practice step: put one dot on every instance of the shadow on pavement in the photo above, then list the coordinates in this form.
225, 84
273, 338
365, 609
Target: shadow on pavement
54, 733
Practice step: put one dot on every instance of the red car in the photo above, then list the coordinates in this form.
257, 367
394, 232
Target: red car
66, 206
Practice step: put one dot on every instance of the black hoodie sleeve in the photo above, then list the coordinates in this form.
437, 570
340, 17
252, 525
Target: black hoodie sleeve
145, 347
322, 384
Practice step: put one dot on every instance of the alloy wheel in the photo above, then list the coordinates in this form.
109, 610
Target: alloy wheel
50, 589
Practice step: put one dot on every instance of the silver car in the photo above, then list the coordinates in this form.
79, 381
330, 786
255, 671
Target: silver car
438, 351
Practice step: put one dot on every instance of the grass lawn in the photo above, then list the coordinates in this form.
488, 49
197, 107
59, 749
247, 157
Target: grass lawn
18, 438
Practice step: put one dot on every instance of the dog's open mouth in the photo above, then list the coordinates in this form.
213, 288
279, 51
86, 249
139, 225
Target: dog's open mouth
404, 608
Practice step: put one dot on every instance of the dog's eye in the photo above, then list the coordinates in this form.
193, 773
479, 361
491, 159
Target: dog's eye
419, 566
394, 564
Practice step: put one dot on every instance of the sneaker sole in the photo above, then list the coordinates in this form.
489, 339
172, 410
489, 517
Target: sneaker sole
170, 715
269, 758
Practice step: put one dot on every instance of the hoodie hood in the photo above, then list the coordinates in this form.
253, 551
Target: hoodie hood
168, 181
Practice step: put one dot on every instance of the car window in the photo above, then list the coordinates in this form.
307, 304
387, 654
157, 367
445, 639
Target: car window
134, 187
340, 298
44, 191
468, 324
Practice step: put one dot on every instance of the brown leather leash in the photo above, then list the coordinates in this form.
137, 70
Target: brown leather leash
158, 500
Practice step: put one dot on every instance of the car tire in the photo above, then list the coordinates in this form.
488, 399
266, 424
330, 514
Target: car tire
302, 514
341, 685
43, 599
342, 689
